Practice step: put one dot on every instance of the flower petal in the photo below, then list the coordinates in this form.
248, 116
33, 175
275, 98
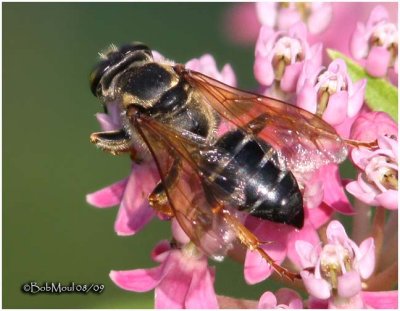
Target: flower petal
378, 61
366, 264
308, 234
274, 236
132, 221
349, 284
358, 43
298, 30
315, 303
288, 297
388, 199
108, 196
305, 250
319, 288
356, 98
139, 280
105, 121
135, 211
370, 125
335, 232
378, 14
263, 71
354, 302
358, 192
287, 17
256, 269
266, 13
171, 292
228, 75
336, 109
307, 97
178, 233
319, 20
381, 300
161, 251
267, 301
318, 216
201, 294
290, 77
334, 195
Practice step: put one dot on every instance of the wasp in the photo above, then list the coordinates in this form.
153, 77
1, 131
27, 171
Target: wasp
211, 178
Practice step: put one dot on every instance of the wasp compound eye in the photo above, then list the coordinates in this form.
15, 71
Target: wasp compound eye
116, 60
135, 46
96, 75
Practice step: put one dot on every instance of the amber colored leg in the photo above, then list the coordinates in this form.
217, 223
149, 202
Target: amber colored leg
160, 203
357, 143
252, 243
158, 198
217, 209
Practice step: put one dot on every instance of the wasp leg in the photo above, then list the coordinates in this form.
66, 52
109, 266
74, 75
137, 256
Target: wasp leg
357, 143
114, 142
158, 198
254, 244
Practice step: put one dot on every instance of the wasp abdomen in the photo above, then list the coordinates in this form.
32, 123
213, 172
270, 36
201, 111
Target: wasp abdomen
250, 178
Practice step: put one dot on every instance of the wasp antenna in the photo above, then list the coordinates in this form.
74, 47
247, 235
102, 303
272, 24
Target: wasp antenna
113, 47
102, 55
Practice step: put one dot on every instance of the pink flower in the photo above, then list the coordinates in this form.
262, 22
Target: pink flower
279, 243
131, 194
377, 42
111, 120
284, 298
280, 56
338, 267
206, 64
182, 280
330, 93
326, 187
377, 183
368, 126
283, 15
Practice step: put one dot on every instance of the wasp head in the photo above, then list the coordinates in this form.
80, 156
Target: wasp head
113, 62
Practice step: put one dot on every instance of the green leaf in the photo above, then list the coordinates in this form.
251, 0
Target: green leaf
380, 94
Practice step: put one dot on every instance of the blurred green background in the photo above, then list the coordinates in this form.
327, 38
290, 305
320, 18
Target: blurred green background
49, 232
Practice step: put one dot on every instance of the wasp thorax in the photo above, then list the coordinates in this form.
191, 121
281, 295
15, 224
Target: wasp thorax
144, 85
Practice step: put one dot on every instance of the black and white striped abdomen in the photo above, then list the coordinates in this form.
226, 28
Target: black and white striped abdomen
245, 173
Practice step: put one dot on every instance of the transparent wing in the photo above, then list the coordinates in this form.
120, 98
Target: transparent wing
304, 141
197, 213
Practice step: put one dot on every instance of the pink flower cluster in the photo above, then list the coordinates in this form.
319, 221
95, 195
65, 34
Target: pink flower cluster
337, 270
